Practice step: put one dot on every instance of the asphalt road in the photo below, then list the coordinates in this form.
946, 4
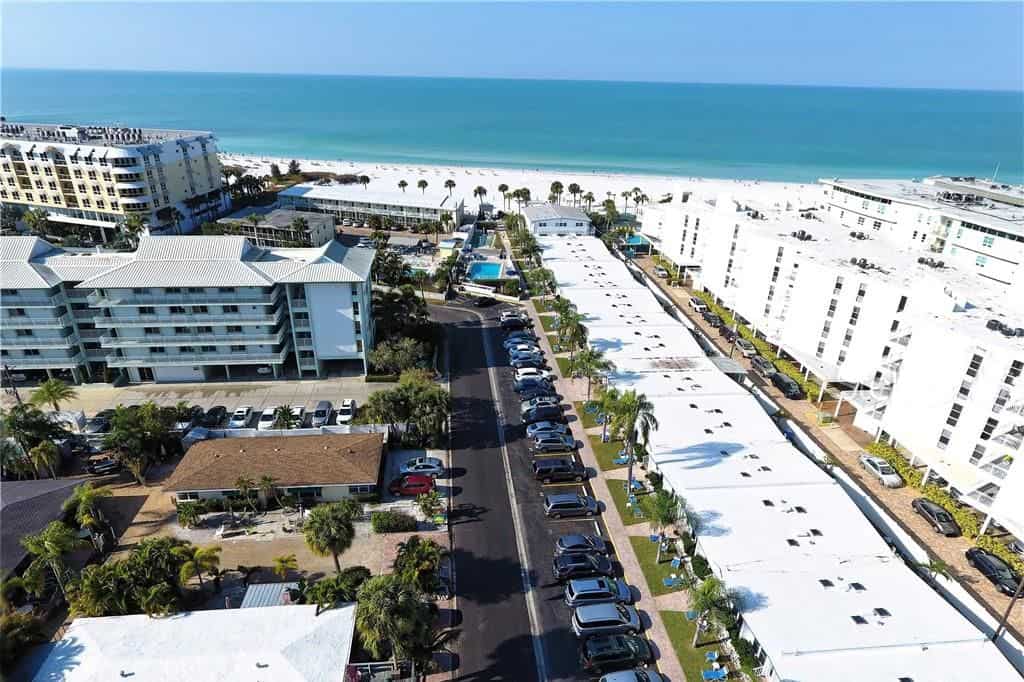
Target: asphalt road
496, 642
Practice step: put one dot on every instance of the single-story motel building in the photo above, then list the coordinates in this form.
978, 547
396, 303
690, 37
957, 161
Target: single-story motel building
313, 469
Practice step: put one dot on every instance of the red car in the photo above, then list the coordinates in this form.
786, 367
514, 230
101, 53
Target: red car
411, 484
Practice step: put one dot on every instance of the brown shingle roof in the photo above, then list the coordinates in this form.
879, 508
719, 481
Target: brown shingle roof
340, 459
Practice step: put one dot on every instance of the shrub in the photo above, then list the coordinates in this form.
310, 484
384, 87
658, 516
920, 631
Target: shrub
381, 378
700, 566
655, 479
909, 474
392, 522
746, 651
993, 546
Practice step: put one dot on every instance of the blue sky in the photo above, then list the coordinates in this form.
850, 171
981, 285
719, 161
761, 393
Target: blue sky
945, 45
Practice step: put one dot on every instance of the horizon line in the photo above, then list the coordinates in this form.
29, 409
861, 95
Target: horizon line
509, 78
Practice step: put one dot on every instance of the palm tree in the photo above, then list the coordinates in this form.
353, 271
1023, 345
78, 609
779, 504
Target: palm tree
13, 460
556, 190
255, 219
328, 531
634, 413
449, 185
710, 601
574, 191
53, 392
268, 486
37, 220
418, 561
936, 567
504, 199
625, 194
642, 199
391, 617
589, 198
402, 184
364, 180
284, 418
246, 486
159, 600
664, 513
45, 456
422, 185
285, 563
591, 363
48, 548
18, 633
133, 226
198, 560
480, 192
84, 503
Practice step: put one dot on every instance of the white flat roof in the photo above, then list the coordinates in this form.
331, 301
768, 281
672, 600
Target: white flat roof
280, 643
434, 197
718, 448
542, 210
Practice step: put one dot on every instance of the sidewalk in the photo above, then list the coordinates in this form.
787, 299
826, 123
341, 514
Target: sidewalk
845, 443
667, 661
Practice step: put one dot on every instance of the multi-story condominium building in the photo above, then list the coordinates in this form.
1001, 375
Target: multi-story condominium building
283, 228
544, 218
974, 222
863, 314
97, 176
184, 309
358, 203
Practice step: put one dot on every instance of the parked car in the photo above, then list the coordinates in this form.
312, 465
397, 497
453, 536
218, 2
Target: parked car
321, 414
484, 302
1016, 546
746, 348
524, 347
727, 333
411, 485
553, 443
529, 383
576, 543
560, 505
566, 566
267, 418
347, 411
521, 336
538, 401
635, 675
995, 569
214, 417
595, 620
187, 421
881, 470
544, 413
789, 388
614, 652
514, 314
299, 415
101, 465
515, 323
762, 366
530, 372
100, 423
240, 417
539, 392
939, 519
661, 272
712, 319
558, 469
697, 304
529, 354
427, 466
545, 429
600, 590
531, 361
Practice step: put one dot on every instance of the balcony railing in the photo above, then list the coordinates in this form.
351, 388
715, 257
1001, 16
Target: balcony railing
38, 342
163, 359
982, 499
191, 339
43, 361
160, 299
33, 301
25, 322
194, 319
999, 468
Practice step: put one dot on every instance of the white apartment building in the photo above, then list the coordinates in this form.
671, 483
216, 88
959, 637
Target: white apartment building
820, 594
97, 176
848, 306
358, 203
544, 218
183, 309
282, 228
974, 222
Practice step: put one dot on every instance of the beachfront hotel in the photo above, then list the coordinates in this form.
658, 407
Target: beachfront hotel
927, 348
181, 309
544, 218
358, 203
820, 594
97, 176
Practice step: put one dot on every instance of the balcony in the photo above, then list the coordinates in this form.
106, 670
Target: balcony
20, 301
128, 298
980, 499
43, 361
269, 319
999, 468
175, 359
39, 342
25, 322
193, 339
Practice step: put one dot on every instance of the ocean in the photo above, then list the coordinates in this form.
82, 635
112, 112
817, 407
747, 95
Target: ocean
727, 131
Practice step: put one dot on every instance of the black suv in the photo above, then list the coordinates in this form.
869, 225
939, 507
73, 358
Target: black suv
711, 318
727, 333
565, 566
993, 568
614, 652
544, 413
558, 469
789, 388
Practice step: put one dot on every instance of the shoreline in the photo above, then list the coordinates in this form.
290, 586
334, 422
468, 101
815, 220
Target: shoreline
537, 180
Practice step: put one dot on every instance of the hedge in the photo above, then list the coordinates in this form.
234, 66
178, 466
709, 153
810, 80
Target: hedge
392, 522
810, 387
381, 378
909, 474
993, 546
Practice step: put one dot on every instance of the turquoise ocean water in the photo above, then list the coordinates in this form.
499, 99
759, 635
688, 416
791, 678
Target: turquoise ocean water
731, 131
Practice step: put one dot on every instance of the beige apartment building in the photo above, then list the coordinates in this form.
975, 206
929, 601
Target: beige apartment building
97, 176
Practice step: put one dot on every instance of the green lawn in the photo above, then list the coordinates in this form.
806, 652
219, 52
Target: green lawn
588, 419
646, 553
553, 340
680, 631
563, 366
542, 305
548, 322
605, 452
617, 488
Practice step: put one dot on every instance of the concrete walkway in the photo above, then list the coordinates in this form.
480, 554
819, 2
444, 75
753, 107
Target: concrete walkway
667, 661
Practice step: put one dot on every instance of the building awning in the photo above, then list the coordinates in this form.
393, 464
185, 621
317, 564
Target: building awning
728, 366
824, 371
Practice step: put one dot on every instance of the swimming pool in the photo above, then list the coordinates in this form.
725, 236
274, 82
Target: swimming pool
482, 271
636, 240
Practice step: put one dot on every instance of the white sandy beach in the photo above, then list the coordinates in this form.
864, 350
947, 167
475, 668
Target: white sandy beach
537, 181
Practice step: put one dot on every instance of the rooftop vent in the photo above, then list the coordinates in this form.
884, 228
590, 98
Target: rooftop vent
858, 235
802, 235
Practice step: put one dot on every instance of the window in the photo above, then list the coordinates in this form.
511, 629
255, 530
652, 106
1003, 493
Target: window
24, 332
979, 452
1015, 369
816, 533
204, 330
234, 329
965, 389
894, 326
151, 330
238, 349
30, 352
195, 290
230, 308
944, 439
186, 349
877, 224
359, 327
355, 307
990, 427
208, 349
17, 312
359, 345
200, 309
146, 310
177, 310
980, 261
902, 305
138, 291
972, 369
226, 290
182, 330
157, 349
988, 241
860, 220
954, 414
